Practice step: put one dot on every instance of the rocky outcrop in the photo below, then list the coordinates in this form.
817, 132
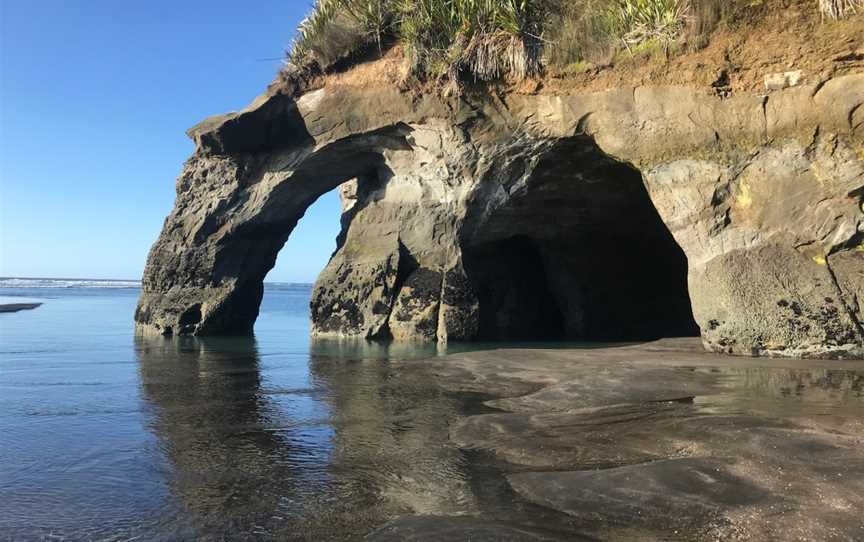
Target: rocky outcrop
633, 213
17, 307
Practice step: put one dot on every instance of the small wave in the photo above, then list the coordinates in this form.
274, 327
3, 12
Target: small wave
292, 391
51, 384
80, 412
35, 351
10, 282
288, 286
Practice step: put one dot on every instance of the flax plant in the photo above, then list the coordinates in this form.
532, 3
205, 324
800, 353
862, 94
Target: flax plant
639, 21
839, 9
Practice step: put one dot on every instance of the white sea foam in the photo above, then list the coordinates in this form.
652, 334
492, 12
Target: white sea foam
288, 285
9, 282
12, 282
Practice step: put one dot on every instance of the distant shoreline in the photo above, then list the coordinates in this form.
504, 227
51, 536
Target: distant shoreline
71, 279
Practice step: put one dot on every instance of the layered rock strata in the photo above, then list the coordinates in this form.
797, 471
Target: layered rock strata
628, 214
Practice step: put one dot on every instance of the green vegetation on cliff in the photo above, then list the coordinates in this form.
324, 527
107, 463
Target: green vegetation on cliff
491, 39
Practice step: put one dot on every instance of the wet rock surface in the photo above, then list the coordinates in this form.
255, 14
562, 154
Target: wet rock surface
16, 307
658, 442
431, 528
671, 493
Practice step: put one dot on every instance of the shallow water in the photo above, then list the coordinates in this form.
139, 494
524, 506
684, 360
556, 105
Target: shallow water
104, 436
109, 436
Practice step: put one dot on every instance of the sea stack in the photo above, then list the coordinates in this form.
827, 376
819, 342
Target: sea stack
591, 212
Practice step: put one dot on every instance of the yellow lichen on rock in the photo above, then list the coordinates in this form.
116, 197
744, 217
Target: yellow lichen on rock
744, 200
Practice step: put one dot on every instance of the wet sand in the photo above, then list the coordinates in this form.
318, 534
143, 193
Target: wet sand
660, 441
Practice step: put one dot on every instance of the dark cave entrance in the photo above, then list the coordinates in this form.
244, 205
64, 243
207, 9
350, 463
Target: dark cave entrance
516, 302
578, 253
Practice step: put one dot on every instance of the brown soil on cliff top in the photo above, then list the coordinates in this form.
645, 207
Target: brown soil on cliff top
792, 38
788, 35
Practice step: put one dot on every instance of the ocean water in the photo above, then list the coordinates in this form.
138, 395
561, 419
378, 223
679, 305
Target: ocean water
108, 436
105, 436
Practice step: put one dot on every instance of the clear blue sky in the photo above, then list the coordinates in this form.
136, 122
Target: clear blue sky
95, 97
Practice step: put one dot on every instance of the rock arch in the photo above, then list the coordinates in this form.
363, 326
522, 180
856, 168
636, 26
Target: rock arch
238, 200
757, 199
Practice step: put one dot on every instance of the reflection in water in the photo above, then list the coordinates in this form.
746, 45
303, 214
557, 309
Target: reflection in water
834, 396
261, 457
103, 437
355, 349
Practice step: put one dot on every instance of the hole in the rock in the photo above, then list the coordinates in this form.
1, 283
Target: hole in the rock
311, 243
580, 253
190, 318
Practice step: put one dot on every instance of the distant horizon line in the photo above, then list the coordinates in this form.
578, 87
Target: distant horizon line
129, 280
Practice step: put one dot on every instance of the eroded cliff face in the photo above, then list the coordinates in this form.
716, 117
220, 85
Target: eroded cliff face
628, 214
